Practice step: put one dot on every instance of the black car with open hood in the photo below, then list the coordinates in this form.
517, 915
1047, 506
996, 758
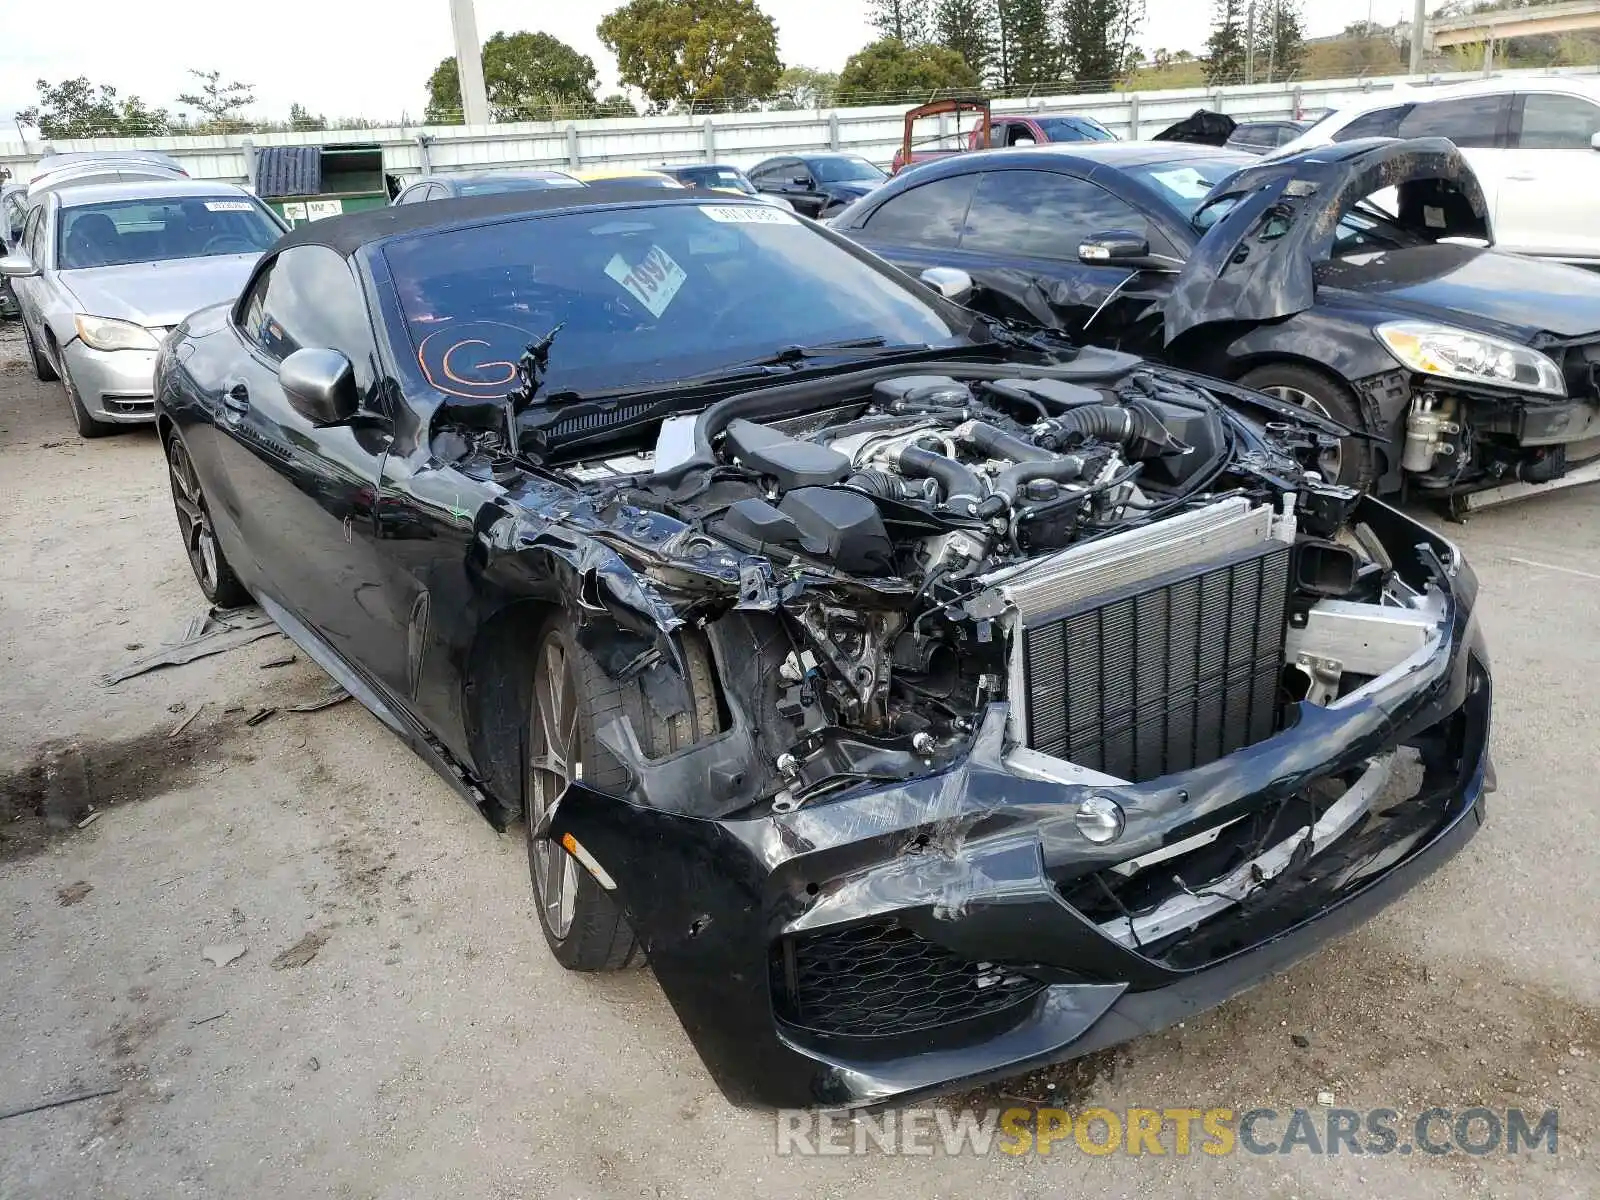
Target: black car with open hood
925, 700
1357, 280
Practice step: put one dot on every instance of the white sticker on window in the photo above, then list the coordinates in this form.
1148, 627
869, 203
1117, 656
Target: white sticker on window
748, 214
1184, 182
653, 281
1432, 217
229, 206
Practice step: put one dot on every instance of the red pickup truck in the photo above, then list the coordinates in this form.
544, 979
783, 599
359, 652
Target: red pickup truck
997, 131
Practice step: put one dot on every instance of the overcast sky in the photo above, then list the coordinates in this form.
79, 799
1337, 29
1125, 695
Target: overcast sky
372, 57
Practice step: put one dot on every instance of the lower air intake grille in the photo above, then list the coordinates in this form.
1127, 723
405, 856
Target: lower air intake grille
1170, 677
882, 980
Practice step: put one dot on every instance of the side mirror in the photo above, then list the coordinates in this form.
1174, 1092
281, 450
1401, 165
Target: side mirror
320, 385
17, 266
801, 181
1024, 141
1119, 247
950, 282
1594, 142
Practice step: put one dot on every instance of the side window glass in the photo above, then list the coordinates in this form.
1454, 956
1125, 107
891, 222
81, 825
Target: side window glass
251, 309
1041, 214
1385, 122
311, 298
1472, 121
33, 241
929, 215
1552, 122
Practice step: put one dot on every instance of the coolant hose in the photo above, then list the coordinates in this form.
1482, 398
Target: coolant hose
1011, 481
962, 489
997, 443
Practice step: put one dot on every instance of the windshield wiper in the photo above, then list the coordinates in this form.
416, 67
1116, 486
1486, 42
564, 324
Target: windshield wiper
876, 346
780, 362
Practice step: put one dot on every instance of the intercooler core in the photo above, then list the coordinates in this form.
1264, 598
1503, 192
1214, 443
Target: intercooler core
1156, 650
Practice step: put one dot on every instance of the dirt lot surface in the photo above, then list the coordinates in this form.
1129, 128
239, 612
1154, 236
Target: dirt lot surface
394, 1026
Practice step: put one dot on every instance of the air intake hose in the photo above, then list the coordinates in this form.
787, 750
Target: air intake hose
1138, 430
962, 489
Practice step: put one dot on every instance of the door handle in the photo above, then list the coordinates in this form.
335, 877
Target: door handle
236, 396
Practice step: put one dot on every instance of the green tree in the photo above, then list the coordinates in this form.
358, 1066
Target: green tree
218, 103
1097, 44
1037, 57
76, 108
966, 26
1003, 64
890, 68
682, 51
805, 87
1280, 40
905, 21
616, 105
527, 76
301, 118
1227, 46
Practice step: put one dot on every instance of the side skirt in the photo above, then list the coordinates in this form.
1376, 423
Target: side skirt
377, 701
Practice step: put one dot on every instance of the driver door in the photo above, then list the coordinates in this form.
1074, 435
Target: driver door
304, 497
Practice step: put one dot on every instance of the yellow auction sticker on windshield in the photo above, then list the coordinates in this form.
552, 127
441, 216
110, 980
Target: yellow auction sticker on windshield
653, 281
747, 214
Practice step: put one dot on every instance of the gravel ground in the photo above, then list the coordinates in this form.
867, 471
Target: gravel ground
394, 1026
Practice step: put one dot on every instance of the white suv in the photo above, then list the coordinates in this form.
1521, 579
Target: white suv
1533, 142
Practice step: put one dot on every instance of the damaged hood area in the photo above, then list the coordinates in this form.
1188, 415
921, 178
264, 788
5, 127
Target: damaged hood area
159, 293
1271, 226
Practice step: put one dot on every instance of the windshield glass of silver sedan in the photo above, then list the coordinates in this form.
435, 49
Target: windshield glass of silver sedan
119, 232
641, 295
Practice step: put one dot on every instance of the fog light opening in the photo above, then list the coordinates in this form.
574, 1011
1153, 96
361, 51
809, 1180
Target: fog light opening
1100, 819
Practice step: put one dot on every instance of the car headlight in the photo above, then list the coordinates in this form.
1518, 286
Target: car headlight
104, 333
1471, 357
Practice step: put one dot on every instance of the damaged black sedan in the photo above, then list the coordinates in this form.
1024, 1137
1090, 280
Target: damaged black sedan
1357, 280
924, 701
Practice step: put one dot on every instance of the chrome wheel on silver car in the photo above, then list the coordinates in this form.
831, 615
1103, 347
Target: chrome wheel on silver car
555, 759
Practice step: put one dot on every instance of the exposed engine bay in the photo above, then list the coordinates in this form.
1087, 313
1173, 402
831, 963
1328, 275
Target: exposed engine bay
1124, 560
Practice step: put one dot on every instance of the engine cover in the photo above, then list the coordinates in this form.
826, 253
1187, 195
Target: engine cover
842, 526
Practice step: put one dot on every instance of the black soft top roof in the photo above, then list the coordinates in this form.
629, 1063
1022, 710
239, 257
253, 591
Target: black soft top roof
347, 234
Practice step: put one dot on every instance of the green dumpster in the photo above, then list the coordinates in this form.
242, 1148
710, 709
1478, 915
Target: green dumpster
306, 183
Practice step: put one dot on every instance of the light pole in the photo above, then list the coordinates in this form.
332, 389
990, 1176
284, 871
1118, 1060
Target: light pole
1250, 43
1419, 29
469, 63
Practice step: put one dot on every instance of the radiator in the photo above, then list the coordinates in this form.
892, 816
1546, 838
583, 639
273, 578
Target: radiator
1174, 659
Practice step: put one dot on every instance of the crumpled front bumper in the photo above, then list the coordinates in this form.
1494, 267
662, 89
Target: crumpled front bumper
966, 865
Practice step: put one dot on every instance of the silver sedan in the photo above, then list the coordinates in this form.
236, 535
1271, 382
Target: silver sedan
103, 271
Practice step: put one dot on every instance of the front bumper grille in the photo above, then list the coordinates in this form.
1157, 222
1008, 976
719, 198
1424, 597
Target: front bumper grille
1167, 678
883, 980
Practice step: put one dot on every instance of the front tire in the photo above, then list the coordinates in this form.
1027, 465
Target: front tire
211, 570
42, 369
1354, 463
572, 698
88, 427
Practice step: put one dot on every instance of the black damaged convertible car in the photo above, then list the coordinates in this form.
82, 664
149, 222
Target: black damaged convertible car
926, 701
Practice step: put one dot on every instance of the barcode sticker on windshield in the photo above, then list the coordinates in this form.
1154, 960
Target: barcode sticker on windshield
653, 281
228, 206
749, 214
